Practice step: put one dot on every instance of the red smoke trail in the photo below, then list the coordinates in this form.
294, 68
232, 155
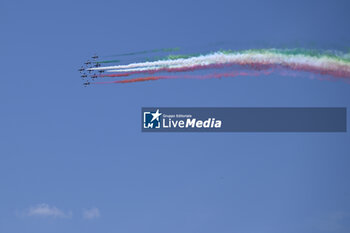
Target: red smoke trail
115, 75
208, 76
213, 76
336, 73
134, 80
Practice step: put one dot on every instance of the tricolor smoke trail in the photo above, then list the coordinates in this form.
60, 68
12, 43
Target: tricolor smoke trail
318, 64
335, 64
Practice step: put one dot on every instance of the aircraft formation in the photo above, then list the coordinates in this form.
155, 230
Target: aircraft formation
86, 73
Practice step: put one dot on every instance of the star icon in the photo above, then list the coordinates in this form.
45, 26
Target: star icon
156, 115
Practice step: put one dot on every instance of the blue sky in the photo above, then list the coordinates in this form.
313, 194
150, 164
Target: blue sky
69, 152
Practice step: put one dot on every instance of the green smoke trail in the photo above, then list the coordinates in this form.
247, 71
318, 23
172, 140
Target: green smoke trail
146, 52
169, 57
109, 61
172, 57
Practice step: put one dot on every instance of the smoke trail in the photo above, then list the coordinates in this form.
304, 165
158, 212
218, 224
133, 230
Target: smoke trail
193, 68
146, 52
171, 57
208, 76
143, 79
214, 76
247, 56
327, 63
339, 73
108, 61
